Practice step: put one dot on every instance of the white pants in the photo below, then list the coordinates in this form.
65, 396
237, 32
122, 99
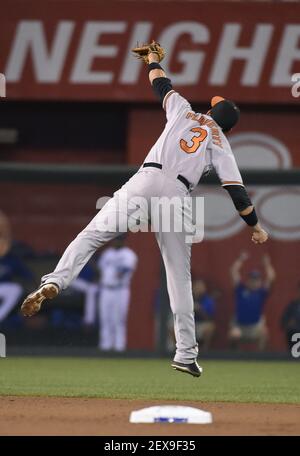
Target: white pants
90, 291
176, 252
113, 311
10, 293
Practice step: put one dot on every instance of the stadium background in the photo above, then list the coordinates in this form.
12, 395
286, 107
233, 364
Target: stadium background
75, 96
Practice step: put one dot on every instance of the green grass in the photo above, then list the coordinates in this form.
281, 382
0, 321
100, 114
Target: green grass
235, 381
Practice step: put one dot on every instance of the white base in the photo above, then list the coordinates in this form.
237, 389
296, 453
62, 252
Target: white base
171, 414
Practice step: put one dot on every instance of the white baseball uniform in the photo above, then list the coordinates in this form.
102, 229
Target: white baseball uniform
90, 292
10, 294
116, 266
190, 144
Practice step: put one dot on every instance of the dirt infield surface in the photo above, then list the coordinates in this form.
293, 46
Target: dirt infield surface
76, 416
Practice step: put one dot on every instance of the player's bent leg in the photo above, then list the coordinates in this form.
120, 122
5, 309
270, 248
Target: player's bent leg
105, 226
98, 232
77, 255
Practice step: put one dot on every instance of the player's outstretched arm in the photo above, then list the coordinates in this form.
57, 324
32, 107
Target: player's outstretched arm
161, 84
227, 169
155, 72
243, 204
152, 54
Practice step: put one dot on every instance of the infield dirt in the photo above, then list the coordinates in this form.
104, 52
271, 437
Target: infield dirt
84, 416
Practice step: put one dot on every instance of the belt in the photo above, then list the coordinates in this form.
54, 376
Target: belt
179, 177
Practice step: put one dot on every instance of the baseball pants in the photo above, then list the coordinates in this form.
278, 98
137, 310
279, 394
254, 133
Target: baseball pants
113, 311
90, 291
147, 183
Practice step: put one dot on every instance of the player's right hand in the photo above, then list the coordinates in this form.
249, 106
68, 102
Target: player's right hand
259, 235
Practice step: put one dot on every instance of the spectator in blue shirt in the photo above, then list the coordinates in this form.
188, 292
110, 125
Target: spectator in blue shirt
204, 307
11, 268
249, 323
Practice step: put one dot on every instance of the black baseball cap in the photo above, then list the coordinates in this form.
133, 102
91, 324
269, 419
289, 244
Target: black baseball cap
224, 112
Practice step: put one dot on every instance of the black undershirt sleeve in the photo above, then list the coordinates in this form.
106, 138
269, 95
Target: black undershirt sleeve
241, 201
161, 87
239, 196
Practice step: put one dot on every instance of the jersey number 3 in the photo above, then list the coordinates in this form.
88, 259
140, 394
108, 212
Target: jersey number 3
196, 141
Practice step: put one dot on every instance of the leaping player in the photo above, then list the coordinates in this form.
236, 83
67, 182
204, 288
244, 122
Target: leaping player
190, 143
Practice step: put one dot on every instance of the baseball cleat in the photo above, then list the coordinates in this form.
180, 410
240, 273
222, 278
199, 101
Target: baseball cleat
33, 302
193, 369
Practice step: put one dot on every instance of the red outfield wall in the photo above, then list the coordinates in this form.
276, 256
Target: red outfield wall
62, 49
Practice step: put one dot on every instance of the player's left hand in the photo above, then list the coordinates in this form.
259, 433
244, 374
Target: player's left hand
259, 235
142, 51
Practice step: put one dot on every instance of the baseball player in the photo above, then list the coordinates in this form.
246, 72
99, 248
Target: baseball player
116, 265
85, 285
189, 144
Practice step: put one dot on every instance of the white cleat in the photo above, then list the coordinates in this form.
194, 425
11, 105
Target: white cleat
33, 302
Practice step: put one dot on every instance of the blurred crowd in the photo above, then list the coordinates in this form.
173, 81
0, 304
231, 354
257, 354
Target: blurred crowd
104, 289
248, 323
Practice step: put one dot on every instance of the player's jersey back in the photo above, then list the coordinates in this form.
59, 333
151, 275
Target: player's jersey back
192, 143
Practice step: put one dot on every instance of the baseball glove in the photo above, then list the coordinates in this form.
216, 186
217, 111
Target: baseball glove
142, 51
